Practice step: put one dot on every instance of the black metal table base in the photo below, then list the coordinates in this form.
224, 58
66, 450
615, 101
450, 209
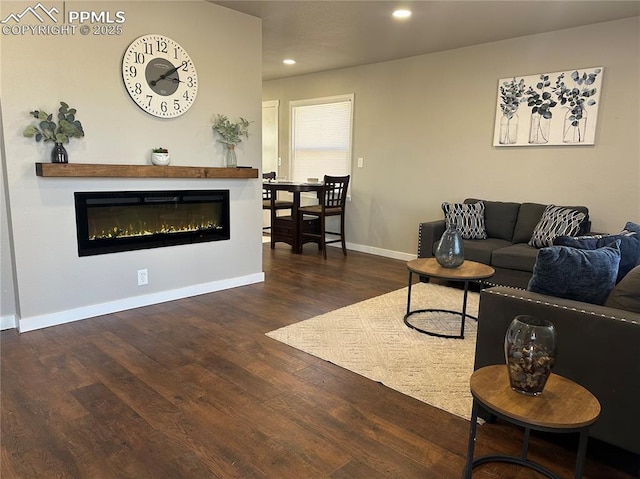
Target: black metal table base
432, 333
522, 460
463, 315
515, 460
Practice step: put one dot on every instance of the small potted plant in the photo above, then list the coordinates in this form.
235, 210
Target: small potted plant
160, 156
48, 130
230, 134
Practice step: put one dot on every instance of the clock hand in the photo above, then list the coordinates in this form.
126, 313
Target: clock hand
170, 72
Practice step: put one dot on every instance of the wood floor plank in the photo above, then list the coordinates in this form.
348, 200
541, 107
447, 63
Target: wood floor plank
194, 388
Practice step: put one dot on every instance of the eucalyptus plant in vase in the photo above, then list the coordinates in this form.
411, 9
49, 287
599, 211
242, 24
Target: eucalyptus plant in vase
576, 99
541, 102
231, 134
511, 95
48, 130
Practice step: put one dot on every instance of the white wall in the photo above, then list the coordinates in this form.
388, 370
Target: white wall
7, 290
54, 284
424, 126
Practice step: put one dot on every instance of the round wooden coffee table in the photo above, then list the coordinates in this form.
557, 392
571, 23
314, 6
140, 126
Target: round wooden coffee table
563, 407
466, 272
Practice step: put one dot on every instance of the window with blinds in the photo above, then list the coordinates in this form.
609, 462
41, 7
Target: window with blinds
321, 137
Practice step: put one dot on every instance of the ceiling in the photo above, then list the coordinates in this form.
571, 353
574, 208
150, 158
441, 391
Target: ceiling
324, 35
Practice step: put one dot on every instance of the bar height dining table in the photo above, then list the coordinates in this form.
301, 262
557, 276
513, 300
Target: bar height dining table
296, 224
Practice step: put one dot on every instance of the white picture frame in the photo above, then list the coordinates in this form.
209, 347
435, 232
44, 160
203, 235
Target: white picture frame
558, 108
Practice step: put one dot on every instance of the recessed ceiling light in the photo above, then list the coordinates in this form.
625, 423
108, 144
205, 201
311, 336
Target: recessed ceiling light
289, 61
402, 13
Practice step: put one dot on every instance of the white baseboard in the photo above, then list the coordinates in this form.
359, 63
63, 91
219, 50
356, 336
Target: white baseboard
46, 320
53, 319
387, 253
7, 322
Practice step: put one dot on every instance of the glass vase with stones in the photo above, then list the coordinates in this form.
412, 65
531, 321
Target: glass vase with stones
59, 154
450, 250
231, 161
530, 351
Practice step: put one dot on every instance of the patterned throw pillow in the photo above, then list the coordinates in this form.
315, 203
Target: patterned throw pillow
556, 221
468, 217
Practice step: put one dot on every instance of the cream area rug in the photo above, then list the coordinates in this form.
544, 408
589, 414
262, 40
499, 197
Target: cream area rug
371, 339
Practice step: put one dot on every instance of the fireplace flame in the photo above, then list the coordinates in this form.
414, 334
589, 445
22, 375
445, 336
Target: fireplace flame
132, 231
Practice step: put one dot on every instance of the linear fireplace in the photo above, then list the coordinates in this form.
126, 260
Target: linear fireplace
114, 221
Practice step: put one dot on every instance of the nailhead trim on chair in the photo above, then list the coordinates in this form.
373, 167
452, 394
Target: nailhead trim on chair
546, 303
487, 284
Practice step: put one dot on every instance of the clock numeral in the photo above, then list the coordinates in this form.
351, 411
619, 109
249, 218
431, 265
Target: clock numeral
190, 82
162, 46
138, 57
148, 48
149, 98
176, 105
133, 71
138, 88
184, 66
163, 106
175, 53
185, 95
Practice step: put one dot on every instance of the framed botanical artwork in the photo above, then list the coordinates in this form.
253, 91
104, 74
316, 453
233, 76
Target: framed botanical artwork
559, 108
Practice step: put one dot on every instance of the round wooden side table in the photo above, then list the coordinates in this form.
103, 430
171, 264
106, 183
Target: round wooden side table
563, 407
467, 271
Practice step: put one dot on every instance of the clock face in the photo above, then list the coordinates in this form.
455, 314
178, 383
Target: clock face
159, 76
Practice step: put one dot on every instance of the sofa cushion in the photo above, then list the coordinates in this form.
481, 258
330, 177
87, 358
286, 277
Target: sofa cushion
520, 256
555, 221
626, 294
577, 274
629, 247
499, 218
529, 215
469, 218
482, 250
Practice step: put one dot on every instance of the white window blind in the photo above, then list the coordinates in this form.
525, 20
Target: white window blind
321, 137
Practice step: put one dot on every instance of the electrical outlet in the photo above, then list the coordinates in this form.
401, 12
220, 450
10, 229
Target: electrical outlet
143, 277
360, 162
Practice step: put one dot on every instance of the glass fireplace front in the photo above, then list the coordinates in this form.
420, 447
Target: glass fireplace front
114, 221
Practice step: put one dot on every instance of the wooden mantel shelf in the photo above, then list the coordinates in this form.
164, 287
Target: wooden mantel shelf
140, 171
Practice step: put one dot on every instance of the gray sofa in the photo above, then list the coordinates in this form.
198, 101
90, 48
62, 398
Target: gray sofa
509, 227
597, 348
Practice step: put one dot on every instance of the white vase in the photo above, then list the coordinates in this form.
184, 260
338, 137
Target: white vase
160, 159
230, 158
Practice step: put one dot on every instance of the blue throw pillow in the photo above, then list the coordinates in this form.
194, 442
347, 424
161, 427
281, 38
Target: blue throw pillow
581, 242
578, 274
630, 226
629, 246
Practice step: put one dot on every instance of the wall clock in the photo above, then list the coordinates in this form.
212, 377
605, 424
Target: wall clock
159, 76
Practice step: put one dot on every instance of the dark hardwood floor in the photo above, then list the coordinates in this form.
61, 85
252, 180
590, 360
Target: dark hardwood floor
194, 389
